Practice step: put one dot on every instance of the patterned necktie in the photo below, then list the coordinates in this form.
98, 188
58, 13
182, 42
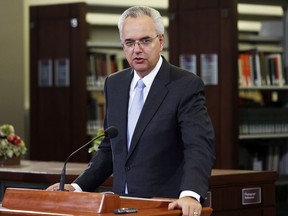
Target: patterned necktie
135, 110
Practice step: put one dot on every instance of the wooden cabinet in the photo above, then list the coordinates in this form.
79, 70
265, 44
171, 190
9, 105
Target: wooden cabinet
232, 195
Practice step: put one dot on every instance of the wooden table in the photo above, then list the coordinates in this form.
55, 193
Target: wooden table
230, 191
230, 188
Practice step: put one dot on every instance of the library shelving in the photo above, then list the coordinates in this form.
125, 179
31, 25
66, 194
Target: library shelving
66, 93
212, 29
64, 117
242, 142
263, 91
101, 63
67, 111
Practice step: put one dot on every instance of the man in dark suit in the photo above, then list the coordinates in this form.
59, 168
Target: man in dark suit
171, 152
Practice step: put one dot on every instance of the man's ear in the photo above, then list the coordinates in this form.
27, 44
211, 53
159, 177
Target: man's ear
162, 40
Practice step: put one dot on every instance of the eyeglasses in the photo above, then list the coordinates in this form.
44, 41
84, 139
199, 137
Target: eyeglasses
143, 42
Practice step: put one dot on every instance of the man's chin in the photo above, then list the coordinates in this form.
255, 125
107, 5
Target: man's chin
140, 68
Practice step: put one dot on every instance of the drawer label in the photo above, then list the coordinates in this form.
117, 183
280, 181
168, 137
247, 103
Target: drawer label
251, 196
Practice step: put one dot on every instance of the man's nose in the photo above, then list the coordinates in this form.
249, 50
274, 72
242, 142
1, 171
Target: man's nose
137, 46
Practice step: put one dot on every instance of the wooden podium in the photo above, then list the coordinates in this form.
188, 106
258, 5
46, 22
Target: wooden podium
29, 202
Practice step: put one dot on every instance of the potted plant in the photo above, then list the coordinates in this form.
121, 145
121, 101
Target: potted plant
12, 146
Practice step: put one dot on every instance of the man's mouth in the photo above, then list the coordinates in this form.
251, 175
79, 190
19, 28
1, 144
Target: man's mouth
139, 60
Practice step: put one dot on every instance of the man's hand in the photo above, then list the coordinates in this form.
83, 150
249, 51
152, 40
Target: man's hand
55, 187
189, 206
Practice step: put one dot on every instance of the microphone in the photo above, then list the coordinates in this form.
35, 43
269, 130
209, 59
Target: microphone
110, 132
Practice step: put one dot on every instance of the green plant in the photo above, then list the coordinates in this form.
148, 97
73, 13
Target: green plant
96, 142
10, 143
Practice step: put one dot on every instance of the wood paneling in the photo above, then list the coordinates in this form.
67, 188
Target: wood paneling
209, 27
58, 114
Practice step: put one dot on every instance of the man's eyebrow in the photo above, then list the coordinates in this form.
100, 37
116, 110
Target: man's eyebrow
130, 39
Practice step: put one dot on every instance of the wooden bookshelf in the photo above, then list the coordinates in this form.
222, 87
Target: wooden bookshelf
201, 36
273, 95
58, 112
210, 27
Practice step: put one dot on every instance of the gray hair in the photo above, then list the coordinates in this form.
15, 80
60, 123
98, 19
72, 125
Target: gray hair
138, 11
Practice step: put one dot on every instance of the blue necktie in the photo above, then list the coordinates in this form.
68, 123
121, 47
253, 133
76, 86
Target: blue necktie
135, 110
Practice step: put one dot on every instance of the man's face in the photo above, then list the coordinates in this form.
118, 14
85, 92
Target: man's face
142, 46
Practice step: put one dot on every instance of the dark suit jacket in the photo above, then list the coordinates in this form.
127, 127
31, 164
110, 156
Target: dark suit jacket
172, 146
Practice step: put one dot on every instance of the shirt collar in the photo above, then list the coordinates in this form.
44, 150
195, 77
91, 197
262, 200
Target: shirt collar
148, 79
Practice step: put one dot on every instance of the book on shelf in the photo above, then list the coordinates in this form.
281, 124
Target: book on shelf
277, 159
100, 65
272, 28
97, 68
257, 164
244, 69
283, 164
96, 110
258, 68
273, 158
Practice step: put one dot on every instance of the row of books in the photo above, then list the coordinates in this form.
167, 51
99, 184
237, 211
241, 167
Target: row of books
263, 120
261, 69
263, 128
100, 65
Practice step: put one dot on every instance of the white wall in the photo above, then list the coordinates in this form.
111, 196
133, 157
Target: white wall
12, 64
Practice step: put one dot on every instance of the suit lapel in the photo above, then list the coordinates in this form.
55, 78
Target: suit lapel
153, 101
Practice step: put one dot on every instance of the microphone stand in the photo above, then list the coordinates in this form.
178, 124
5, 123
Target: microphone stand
63, 173
110, 132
